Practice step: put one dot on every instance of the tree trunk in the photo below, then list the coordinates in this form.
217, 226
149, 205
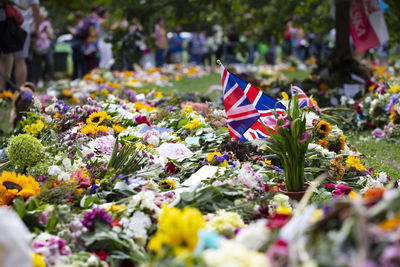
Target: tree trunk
341, 62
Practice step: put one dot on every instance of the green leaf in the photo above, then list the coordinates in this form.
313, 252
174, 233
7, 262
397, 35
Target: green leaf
51, 224
88, 202
19, 207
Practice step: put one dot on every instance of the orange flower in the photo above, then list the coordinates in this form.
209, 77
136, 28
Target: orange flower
372, 195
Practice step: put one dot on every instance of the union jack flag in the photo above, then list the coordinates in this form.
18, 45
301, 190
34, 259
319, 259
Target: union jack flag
240, 113
259, 102
304, 101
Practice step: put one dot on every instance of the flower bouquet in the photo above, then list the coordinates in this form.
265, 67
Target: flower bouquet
289, 142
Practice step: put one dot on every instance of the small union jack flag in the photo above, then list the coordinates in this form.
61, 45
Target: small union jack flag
261, 103
304, 101
240, 113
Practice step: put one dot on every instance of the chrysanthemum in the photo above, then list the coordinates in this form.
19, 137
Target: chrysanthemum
97, 118
324, 127
13, 185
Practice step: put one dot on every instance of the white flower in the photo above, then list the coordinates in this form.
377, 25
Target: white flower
136, 227
231, 253
153, 140
54, 170
255, 236
166, 136
382, 177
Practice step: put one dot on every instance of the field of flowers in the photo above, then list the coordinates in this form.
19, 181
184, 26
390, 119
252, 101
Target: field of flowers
111, 171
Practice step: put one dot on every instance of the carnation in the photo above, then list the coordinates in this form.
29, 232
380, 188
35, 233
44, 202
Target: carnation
24, 150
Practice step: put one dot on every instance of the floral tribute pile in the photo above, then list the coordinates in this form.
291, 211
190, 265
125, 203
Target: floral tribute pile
118, 181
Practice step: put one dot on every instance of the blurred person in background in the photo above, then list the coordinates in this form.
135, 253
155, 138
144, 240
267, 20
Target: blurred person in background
78, 59
43, 53
32, 20
198, 41
105, 47
177, 46
161, 41
218, 41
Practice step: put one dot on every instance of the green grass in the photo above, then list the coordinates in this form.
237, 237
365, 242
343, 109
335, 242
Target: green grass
379, 154
297, 75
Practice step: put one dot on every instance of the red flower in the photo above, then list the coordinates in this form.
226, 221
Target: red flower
329, 186
170, 168
101, 254
278, 221
266, 187
115, 223
142, 119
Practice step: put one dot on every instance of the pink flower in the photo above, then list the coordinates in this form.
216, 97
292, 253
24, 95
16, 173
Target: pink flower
270, 121
304, 137
286, 122
343, 188
142, 119
329, 186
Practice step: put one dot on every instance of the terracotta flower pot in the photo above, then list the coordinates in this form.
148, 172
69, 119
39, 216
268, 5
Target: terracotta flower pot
298, 195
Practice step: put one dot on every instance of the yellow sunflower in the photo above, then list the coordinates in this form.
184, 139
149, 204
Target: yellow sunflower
118, 128
323, 142
168, 184
324, 127
13, 185
97, 118
342, 140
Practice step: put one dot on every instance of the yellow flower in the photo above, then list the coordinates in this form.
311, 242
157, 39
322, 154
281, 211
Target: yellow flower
268, 162
188, 108
74, 100
99, 80
34, 129
390, 224
193, 124
89, 129
323, 142
66, 93
342, 140
118, 128
116, 208
97, 118
225, 222
324, 127
13, 185
380, 70
37, 260
285, 96
104, 92
283, 210
159, 95
88, 77
211, 159
177, 230
395, 88
354, 162
168, 184
139, 106
318, 213
57, 115
8, 94
314, 101
192, 70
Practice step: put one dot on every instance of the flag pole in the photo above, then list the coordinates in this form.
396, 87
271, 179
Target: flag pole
219, 62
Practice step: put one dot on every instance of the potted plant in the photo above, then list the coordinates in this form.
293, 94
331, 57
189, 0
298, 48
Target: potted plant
289, 142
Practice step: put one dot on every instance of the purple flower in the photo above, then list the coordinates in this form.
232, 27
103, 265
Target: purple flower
98, 214
93, 189
304, 137
394, 99
378, 133
284, 119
